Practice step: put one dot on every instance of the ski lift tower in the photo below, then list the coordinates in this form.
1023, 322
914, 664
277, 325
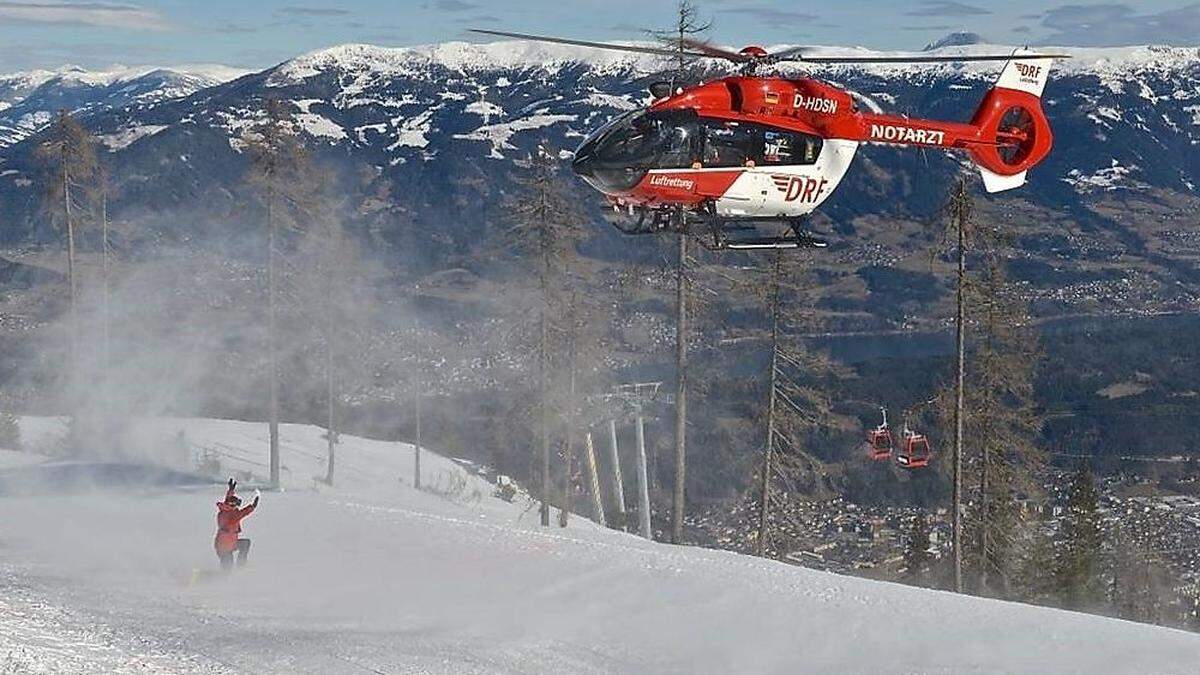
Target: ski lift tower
636, 396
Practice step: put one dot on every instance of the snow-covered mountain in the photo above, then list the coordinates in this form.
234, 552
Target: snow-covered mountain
435, 129
28, 100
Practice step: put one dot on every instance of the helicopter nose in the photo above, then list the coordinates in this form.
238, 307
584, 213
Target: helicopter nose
584, 162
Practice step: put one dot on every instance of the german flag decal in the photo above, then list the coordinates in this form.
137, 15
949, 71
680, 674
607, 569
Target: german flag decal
771, 98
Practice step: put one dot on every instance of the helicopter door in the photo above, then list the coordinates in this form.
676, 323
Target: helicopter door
736, 145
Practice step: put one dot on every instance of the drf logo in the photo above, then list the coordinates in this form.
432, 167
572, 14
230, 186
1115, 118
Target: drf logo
806, 190
1028, 70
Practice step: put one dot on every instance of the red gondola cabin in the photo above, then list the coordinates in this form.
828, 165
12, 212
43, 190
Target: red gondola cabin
880, 443
914, 452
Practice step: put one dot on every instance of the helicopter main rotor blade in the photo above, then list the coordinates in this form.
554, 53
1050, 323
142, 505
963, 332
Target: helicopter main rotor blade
966, 58
791, 54
586, 43
715, 52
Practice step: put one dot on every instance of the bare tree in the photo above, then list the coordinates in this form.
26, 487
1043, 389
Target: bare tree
960, 207
546, 225
1001, 419
687, 25
333, 281
992, 411
73, 170
106, 282
795, 403
282, 175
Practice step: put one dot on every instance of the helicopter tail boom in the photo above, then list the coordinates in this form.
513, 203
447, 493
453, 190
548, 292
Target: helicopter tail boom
1008, 135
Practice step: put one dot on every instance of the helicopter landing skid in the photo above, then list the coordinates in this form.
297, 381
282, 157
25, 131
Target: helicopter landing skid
718, 233
747, 234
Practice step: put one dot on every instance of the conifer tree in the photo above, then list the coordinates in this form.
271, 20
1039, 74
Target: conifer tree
1034, 564
1077, 563
916, 552
688, 26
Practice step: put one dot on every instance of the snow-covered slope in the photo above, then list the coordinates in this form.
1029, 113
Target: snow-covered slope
374, 576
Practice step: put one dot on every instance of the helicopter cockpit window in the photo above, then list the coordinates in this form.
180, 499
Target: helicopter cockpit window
659, 140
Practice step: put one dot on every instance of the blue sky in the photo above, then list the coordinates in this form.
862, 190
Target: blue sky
259, 33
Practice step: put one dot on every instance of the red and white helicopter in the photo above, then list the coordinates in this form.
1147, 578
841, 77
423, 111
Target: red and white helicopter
748, 150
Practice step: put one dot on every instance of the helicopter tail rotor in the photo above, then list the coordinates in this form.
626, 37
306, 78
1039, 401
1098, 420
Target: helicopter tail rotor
1012, 124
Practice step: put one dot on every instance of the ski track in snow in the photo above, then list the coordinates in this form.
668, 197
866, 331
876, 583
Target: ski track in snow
375, 577
36, 637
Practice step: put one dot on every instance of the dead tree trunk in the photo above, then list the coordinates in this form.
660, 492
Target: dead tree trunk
330, 383
543, 412
69, 216
764, 502
272, 356
681, 336
959, 381
106, 293
594, 480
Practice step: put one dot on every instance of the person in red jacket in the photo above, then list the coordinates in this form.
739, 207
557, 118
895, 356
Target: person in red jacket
229, 525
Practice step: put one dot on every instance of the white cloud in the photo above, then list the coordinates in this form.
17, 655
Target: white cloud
1103, 25
87, 13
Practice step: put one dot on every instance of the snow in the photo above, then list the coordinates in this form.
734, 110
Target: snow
484, 109
123, 138
303, 104
361, 132
316, 125
119, 74
14, 458
1107, 179
459, 56
499, 134
375, 576
602, 100
412, 132
36, 638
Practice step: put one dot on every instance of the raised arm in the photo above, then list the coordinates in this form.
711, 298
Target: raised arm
247, 510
